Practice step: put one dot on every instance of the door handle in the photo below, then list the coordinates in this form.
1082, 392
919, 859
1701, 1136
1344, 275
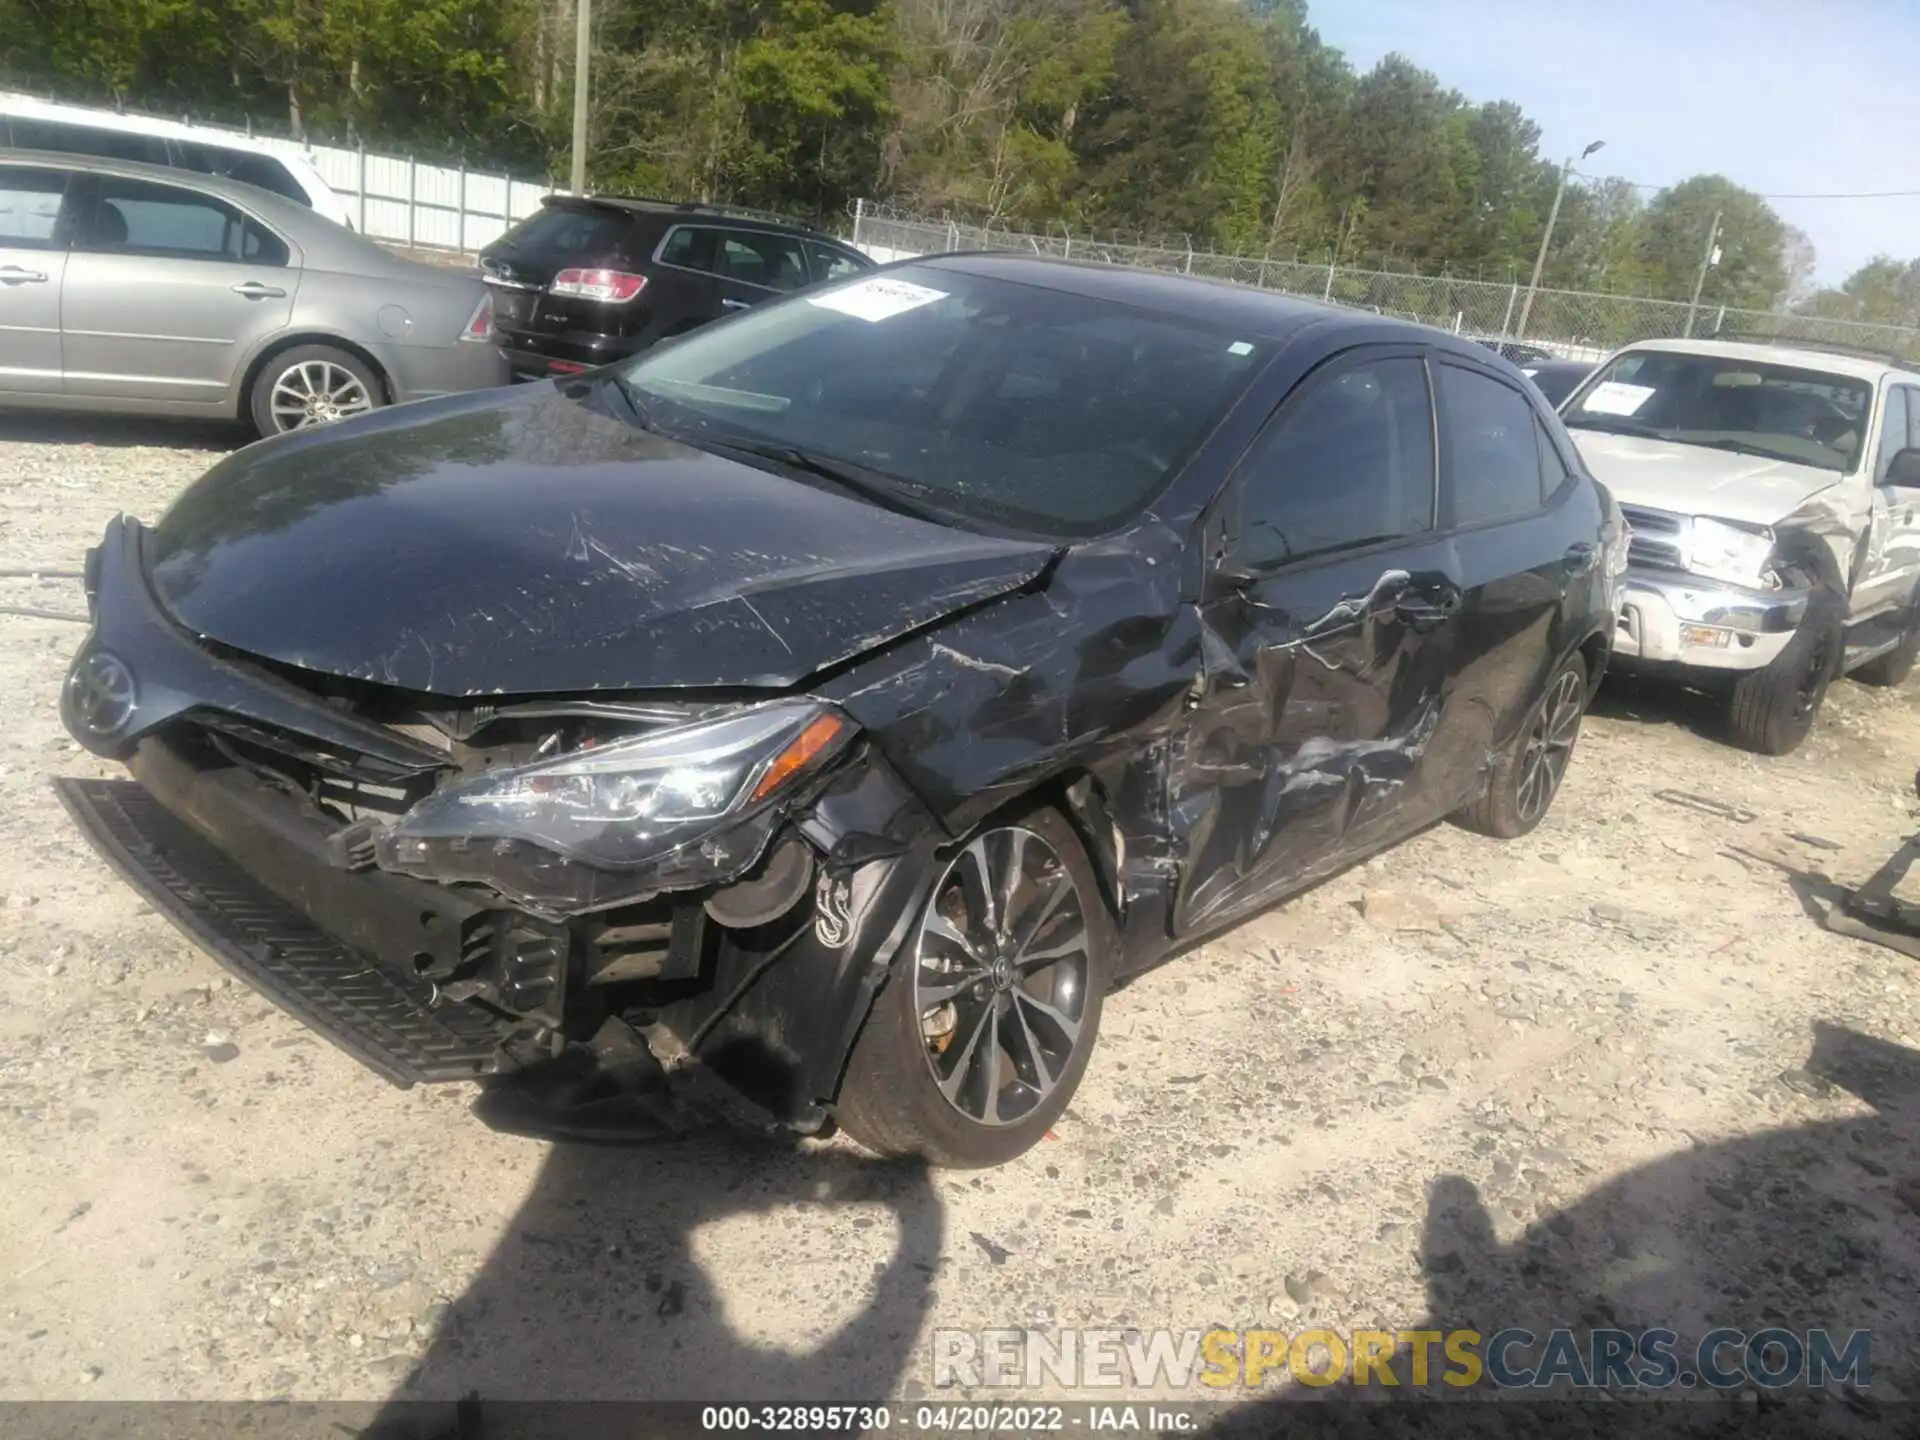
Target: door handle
15, 275
736, 304
254, 290
1424, 609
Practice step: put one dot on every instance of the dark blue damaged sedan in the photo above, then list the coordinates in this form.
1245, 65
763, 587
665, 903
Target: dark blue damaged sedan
813, 719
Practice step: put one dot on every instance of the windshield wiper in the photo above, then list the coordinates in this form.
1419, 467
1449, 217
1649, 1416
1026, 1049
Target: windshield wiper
642, 415
1612, 424
1745, 447
872, 486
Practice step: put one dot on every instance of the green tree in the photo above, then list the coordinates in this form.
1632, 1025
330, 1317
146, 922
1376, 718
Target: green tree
1752, 269
1185, 138
1884, 291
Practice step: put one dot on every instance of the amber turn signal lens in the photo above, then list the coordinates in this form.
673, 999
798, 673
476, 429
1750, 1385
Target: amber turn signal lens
801, 752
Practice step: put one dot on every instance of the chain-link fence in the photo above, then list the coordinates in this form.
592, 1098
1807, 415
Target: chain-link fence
1574, 324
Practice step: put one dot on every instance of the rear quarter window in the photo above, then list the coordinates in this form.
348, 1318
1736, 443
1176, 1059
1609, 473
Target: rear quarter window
74, 139
564, 230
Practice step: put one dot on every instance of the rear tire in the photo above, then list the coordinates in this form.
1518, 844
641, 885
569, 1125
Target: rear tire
1525, 779
1771, 710
978, 1040
312, 385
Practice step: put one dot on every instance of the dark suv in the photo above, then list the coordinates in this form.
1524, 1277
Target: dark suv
591, 279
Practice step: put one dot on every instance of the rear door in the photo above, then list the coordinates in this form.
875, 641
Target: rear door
755, 266
1522, 533
33, 260
167, 291
1326, 615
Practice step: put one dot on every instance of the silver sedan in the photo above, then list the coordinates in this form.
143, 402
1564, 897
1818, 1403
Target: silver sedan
135, 290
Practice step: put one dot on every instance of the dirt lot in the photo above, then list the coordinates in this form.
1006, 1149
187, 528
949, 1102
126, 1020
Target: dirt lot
1612, 1071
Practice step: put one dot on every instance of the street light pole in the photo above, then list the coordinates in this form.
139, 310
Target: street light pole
1546, 239
582, 55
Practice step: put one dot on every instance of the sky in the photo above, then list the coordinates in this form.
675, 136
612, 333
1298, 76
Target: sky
1784, 97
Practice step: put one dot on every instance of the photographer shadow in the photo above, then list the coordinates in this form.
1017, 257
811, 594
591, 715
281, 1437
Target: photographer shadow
603, 1289
1814, 1227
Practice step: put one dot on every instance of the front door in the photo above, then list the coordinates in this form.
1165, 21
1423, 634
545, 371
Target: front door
1327, 619
1891, 566
33, 258
167, 292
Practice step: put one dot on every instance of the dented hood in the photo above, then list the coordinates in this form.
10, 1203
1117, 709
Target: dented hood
1694, 480
521, 541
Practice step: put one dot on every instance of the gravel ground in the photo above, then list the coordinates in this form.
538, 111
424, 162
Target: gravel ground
1616, 1070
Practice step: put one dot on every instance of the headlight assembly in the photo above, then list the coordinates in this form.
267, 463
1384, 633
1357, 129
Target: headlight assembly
629, 802
1724, 550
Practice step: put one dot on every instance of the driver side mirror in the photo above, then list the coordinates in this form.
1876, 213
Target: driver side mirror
1904, 470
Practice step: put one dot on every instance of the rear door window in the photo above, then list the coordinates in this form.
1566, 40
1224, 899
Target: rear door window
830, 263
759, 257
689, 247
139, 217
1489, 448
30, 207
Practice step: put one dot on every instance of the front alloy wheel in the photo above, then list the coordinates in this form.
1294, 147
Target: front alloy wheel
1000, 979
981, 1036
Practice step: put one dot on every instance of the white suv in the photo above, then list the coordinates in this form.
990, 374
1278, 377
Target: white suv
276, 165
1774, 495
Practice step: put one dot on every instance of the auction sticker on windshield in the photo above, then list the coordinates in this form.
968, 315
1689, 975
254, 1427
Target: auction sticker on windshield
1611, 397
877, 299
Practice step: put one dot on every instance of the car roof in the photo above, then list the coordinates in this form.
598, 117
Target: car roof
690, 211
1270, 314
27, 107
327, 245
1857, 367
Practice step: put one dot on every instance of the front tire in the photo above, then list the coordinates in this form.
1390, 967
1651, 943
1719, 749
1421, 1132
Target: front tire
1772, 709
1525, 779
312, 385
980, 1036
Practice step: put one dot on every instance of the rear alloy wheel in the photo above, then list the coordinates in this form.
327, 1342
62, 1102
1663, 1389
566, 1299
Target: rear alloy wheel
1897, 664
1524, 781
982, 1034
312, 385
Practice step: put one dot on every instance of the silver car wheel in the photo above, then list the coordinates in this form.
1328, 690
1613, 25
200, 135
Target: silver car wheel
316, 392
1000, 976
1549, 745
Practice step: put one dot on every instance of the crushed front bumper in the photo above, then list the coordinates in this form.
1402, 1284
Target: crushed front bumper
1668, 617
382, 1021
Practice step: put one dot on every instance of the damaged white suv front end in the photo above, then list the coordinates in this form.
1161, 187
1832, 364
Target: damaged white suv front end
1774, 545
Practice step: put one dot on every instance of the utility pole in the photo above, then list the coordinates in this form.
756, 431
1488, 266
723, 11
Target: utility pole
1546, 239
1707, 261
582, 60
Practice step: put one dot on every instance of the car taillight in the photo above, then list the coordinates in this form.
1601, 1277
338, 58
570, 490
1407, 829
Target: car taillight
615, 287
480, 323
